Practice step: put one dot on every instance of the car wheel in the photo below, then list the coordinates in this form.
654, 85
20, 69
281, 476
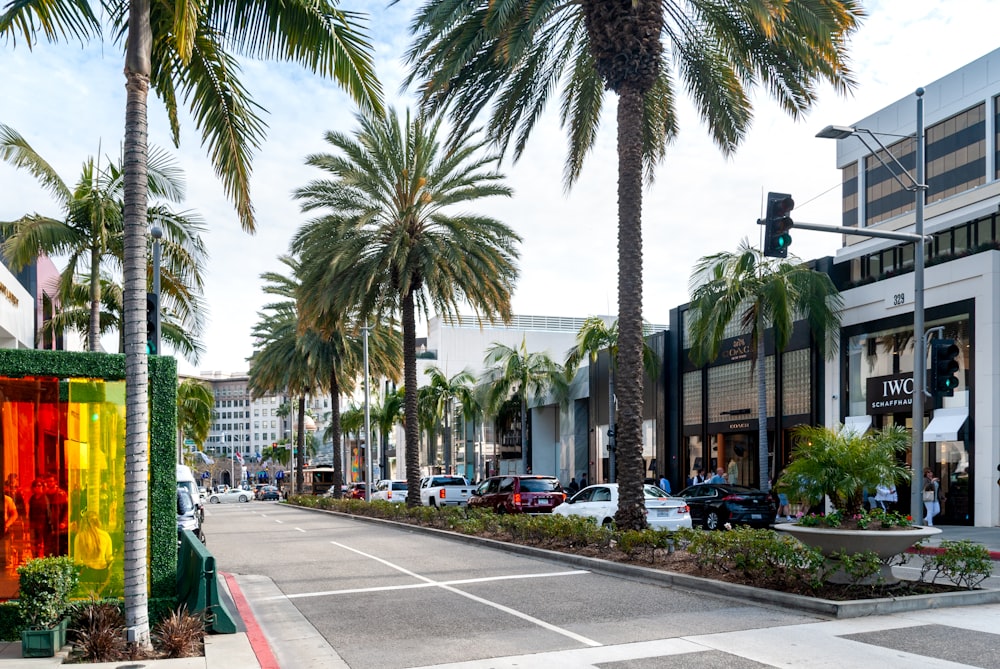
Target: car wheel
712, 520
608, 522
500, 510
244, 498
213, 500
433, 502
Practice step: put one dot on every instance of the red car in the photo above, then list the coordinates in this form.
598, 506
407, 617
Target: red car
356, 491
519, 494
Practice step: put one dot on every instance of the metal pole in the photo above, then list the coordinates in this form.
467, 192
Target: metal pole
919, 338
369, 451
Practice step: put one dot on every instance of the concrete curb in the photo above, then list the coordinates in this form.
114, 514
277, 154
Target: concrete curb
834, 609
937, 550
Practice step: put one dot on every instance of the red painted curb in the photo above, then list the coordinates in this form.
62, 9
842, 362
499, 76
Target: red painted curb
257, 639
937, 550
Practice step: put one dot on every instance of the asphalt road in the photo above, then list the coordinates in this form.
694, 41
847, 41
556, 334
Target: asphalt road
389, 597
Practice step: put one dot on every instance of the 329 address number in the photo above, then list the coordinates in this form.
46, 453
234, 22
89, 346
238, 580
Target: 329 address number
898, 299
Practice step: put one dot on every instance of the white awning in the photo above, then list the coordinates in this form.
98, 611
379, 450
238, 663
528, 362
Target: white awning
856, 425
945, 424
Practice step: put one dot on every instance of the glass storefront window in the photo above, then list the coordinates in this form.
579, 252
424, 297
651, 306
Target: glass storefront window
63, 455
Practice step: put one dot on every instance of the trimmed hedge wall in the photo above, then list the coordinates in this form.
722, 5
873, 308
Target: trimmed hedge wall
162, 456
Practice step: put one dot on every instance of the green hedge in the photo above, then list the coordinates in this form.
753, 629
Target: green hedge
163, 420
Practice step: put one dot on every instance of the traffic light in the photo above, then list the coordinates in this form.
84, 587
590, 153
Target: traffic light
944, 367
777, 223
152, 324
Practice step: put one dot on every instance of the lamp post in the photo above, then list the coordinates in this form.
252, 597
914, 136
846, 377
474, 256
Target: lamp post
918, 188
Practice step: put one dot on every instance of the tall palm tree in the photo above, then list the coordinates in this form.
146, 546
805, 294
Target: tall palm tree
759, 293
505, 59
390, 242
180, 48
427, 422
195, 403
444, 392
90, 234
514, 372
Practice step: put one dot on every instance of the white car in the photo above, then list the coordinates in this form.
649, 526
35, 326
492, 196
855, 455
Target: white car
390, 491
230, 495
600, 502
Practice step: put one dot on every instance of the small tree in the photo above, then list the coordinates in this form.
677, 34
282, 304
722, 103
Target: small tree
841, 464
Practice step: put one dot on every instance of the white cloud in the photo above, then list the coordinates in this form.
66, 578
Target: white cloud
69, 103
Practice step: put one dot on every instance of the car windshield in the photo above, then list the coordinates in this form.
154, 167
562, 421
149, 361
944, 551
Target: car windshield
652, 491
449, 480
540, 485
399, 485
184, 503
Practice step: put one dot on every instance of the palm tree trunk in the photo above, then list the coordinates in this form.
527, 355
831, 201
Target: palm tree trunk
525, 453
612, 443
137, 69
631, 507
338, 463
300, 456
762, 468
411, 426
93, 337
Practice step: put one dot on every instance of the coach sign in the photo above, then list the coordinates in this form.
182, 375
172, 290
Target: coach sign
890, 394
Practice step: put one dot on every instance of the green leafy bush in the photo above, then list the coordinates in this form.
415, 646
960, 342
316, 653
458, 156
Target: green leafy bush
863, 568
964, 563
45, 586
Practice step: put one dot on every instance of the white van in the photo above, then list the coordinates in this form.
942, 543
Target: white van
186, 479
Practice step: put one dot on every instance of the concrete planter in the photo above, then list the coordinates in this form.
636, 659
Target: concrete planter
885, 543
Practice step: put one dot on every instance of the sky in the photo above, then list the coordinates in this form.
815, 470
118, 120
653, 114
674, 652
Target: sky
68, 101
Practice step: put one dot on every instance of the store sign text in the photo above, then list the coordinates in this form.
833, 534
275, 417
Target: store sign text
889, 394
735, 349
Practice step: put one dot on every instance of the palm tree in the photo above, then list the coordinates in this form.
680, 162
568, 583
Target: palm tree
759, 293
389, 243
505, 59
90, 233
516, 373
386, 414
443, 392
597, 335
181, 50
194, 412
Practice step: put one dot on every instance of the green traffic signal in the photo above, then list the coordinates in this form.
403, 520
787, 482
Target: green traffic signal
944, 367
777, 223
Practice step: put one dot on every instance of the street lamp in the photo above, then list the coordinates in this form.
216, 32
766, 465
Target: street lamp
368, 423
917, 186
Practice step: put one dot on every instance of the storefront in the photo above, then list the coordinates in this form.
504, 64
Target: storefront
879, 393
717, 403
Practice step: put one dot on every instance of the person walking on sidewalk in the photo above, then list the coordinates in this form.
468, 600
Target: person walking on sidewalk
932, 503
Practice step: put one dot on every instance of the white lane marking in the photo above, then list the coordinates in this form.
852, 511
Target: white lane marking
300, 529
278, 521
500, 607
430, 584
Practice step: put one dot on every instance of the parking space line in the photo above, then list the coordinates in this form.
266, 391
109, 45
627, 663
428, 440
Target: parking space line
500, 607
431, 584
300, 529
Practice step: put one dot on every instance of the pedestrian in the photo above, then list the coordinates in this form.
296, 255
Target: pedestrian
885, 497
10, 516
665, 484
583, 480
720, 476
39, 520
697, 477
92, 548
573, 486
932, 500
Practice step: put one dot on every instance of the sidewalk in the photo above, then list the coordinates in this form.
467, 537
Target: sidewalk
987, 536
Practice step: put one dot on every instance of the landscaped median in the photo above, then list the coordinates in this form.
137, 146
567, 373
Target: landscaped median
755, 565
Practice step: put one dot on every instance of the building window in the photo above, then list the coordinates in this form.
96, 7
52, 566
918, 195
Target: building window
692, 398
956, 154
885, 197
849, 193
728, 394
796, 388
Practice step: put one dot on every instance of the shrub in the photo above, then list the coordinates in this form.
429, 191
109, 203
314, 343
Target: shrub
99, 631
45, 586
180, 634
864, 568
964, 563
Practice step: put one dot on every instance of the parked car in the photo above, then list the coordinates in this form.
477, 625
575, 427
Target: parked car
715, 504
356, 490
187, 514
388, 490
518, 494
269, 492
600, 502
231, 495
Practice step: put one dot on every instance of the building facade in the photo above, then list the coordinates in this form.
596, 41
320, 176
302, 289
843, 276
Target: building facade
871, 384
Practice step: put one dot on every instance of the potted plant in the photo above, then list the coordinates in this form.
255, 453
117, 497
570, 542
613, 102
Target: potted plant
43, 600
841, 465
